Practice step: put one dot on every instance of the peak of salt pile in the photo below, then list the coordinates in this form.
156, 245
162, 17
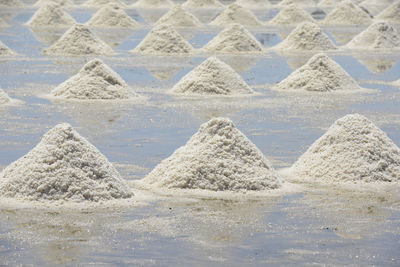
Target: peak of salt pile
352, 150
306, 36
219, 158
102, 3
236, 14
95, 80
329, 2
347, 13
202, 4
212, 77
178, 17
63, 3
153, 4
112, 15
4, 98
256, 4
234, 39
5, 50
291, 14
391, 14
51, 15
320, 74
379, 35
63, 166
163, 39
79, 40
11, 3
303, 3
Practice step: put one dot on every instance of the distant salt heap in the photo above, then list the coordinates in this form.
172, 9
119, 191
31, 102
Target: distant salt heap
112, 15
257, 4
5, 51
153, 4
347, 13
4, 98
391, 14
218, 158
11, 3
352, 150
303, 3
234, 39
379, 35
79, 40
236, 14
63, 166
102, 3
320, 74
51, 15
212, 77
178, 17
291, 15
163, 39
202, 4
63, 3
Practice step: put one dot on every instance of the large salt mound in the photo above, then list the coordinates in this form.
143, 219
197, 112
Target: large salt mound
303, 3
163, 39
153, 4
391, 14
212, 77
79, 40
256, 4
320, 74
352, 150
11, 3
236, 14
202, 4
63, 166
178, 17
219, 158
379, 35
112, 15
291, 14
306, 36
64, 3
101, 3
94, 81
4, 98
5, 51
234, 39
50, 15
347, 13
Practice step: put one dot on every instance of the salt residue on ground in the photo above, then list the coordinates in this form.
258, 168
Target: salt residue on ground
178, 17
290, 15
235, 13
391, 14
51, 15
63, 3
112, 15
202, 4
5, 50
347, 13
153, 4
101, 3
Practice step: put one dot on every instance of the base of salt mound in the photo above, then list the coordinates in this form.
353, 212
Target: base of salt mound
153, 4
254, 4
302, 3
102, 3
5, 51
202, 4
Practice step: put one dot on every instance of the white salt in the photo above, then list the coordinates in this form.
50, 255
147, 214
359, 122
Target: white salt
202, 4
391, 14
212, 77
4, 98
64, 3
347, 13
290, 15
397, 83
375, 6
112, 15
254, 4
329, 2
219, 158
50, 15
303, 3
153, 4
11, 3
5, 50
352, 150
236, 14
3, 24
101, 3
178, 17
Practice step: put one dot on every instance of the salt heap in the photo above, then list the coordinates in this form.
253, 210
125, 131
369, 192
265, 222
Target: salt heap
375, 6
63, 166
63, 3
329, 2
153, 4
352, 150
291, 14
219, 158
347, 13
5, 51
101, 3
94, 81
304, 3
178, 17
234, 39
397, 83
11, 3
4, 98
50, 15
202, 4
254, 3
112, 15
79, 40
391, 14
236, 14
163, 39
306, 36
379, 35
320, 74
212, 77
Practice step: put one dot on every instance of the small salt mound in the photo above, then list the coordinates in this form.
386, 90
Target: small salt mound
379, 35
254, 3
352, 150
391, 14
63, 3
163, 39
5, 51
79, 40
101, 3
4, 98
178, 17
63, 166
153, 4
234, 39
329, 2
112, 15
320, 74
291, 14
236, 14
212, 77
306, 36
202, 4
94, 81
50, 15
347, 13
11, 3
219, 158
304, 3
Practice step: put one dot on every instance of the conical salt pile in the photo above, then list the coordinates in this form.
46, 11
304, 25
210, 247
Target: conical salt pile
391, 14
112, 15
379, 35
79, 40
5, 51
63, 3
101, 3
202, 4
347, 13
291, 15
153, 4
303, 3
163, 39
178, 17
94, 81
329, 3
4, 98
11, 3
212, 77
320, 74
50, 15
63, 166
219, 158
256, 4
234, 39
236, 14
306, 36
352, 150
